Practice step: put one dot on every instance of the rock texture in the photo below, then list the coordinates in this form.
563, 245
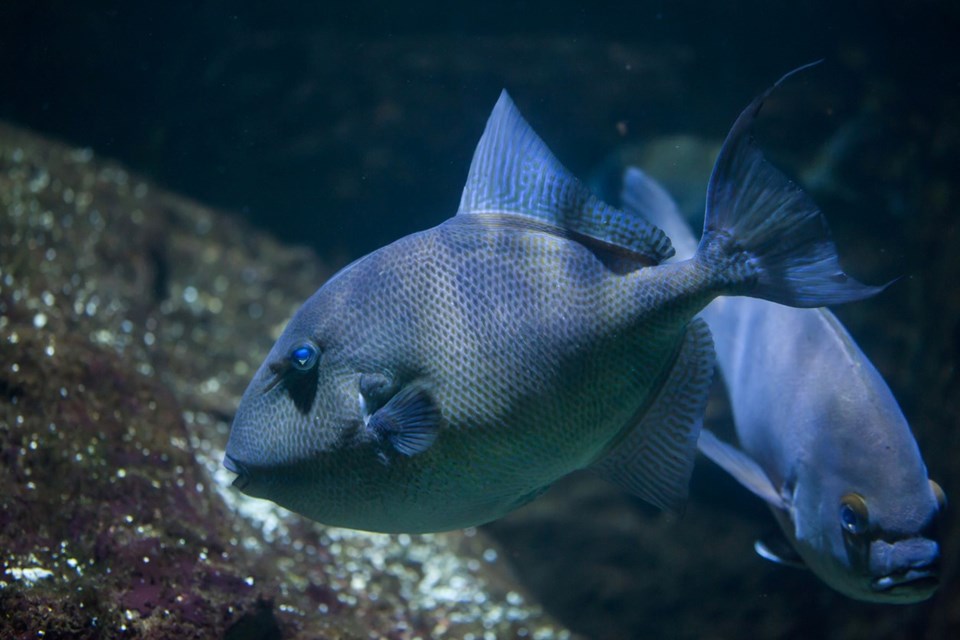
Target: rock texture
130, 322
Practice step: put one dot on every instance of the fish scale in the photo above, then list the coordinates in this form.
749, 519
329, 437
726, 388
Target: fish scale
531, 335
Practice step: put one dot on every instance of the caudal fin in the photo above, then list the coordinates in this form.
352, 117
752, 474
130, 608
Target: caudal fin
756, 213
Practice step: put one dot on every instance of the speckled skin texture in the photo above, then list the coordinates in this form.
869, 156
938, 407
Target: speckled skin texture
538, 351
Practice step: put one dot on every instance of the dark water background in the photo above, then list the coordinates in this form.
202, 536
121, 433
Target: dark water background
342, 127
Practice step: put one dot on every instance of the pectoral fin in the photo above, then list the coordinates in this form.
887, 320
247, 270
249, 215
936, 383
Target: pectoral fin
742, 467
776, 549
409, 422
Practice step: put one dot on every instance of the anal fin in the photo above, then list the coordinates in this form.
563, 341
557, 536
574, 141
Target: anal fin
655, 458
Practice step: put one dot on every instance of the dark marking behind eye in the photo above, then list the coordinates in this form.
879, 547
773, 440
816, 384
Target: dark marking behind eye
301, 386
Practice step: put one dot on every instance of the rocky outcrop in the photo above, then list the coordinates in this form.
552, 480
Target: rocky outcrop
130, 322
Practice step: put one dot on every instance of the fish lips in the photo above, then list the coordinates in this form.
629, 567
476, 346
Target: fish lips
915, 582
243, 476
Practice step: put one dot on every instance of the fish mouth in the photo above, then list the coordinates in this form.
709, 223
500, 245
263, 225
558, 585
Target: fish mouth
911, 581
243, 477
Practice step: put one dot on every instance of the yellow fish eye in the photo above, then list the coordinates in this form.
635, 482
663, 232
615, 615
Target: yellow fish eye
938, 492
854, 515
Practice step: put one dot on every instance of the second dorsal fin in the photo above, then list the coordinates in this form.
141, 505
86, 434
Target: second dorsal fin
514, 173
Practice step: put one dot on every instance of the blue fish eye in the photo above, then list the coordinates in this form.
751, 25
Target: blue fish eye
304, 357
854, 516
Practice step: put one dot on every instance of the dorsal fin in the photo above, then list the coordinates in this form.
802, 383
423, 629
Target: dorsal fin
513, 172
643, 195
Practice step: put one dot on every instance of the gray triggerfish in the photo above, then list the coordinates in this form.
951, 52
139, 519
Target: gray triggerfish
823, 441
447, 378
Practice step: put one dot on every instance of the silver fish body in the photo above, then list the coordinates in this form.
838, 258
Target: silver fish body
448, 378
854, 496
822, 438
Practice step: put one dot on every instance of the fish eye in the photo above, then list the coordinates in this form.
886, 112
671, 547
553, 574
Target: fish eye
303, 357
938, 492
854, 516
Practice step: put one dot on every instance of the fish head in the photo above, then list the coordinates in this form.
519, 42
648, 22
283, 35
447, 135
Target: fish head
298, 415
879, 546
899, 549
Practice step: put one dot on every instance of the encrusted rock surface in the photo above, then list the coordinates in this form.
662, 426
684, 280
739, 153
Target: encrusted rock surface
130, 322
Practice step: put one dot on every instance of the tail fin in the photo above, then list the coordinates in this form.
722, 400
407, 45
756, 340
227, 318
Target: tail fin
753, 209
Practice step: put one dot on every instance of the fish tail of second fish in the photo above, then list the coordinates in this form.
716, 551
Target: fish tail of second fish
763, 236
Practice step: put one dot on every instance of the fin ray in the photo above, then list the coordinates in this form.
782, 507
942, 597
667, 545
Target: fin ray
779, 551
742, 467
644, 196
756, 210
514, 172
409, 421
655, 459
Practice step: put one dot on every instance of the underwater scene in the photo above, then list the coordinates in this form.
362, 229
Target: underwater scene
543, 320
